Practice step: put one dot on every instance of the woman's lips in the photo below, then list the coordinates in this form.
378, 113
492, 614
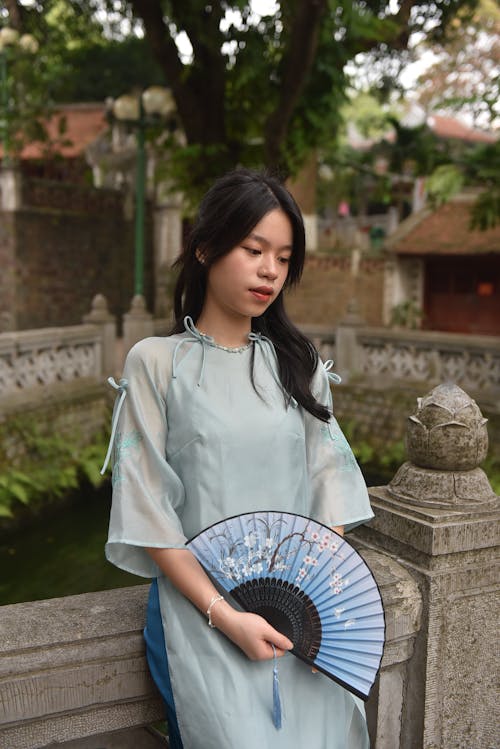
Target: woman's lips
262, 293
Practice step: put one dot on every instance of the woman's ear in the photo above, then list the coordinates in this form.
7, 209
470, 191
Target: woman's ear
200, 256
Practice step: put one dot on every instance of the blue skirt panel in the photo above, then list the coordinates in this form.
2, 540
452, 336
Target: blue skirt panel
156, 654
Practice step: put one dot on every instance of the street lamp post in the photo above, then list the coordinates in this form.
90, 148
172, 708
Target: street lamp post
10, 42
153, 106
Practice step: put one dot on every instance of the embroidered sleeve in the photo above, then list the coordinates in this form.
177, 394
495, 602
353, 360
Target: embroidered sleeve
147, 493
338, 490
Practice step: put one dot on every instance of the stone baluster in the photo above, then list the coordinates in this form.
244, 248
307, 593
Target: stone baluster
348, 352
100, 315
137, 323
439, 517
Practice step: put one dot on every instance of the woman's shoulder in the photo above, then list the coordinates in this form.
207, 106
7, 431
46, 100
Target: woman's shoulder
153, 354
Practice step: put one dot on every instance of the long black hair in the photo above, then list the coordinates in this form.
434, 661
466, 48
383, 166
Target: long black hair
231, 208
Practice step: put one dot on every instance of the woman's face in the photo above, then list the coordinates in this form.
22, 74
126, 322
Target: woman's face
245, 281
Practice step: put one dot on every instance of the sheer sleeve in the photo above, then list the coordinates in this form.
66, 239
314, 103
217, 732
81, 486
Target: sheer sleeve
147, 493
338, 491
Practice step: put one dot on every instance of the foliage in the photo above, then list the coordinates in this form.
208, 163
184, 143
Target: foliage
483, 166
406, 314
276, 81
445, 181
374, 460
485, 213
491, 467
53, 465
250, 89
465, 76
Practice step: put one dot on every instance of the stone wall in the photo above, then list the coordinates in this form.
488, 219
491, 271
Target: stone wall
79, 409
57, 255
328, 285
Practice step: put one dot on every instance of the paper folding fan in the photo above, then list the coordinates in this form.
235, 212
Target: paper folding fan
307, 582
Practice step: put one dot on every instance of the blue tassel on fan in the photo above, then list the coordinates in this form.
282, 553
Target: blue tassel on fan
276, 693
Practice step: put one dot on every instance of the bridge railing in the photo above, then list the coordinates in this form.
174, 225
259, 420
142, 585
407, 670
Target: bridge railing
75, 667
33, 358
422, 356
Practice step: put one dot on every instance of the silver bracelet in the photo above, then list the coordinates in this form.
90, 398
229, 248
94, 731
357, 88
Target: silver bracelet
214, 600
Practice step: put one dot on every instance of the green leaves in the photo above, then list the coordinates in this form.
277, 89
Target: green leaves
53, 465
445, 181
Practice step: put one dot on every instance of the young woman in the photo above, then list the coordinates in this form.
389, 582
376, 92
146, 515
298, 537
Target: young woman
230, 413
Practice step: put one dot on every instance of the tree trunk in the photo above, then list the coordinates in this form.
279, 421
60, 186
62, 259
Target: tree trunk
297, 63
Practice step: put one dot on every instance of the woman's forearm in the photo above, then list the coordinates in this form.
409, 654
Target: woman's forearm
186, 573
250, 632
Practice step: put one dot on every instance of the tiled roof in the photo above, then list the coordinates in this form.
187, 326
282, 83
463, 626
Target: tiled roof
443, 232
84, 123
448, 127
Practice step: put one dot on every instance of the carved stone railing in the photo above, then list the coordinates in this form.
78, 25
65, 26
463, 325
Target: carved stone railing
473, 362
44, 357
428, 356
323, 338
47, 356
75, 667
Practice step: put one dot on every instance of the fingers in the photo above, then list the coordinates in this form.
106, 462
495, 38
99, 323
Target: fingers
279, 641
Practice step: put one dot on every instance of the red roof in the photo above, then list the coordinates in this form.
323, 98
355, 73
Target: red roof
443, 232
448, 127
84, 123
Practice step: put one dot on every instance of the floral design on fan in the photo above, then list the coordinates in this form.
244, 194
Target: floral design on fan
321, 544
268, 550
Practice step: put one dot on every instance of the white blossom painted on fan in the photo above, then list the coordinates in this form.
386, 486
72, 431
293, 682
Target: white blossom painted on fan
269, 549
320, 544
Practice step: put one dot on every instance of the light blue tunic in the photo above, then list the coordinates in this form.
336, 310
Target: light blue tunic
196, 442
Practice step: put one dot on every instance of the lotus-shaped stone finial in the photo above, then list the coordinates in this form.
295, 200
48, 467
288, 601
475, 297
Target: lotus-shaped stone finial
446, 440
448, 431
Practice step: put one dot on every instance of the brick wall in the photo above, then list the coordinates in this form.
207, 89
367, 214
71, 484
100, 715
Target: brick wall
327, 286
7, 274
61, 258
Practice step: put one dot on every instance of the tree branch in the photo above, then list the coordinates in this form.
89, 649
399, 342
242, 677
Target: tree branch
15, 12
198, 88
297, 64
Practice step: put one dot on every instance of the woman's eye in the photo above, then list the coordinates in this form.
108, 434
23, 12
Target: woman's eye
284, 260
252, 250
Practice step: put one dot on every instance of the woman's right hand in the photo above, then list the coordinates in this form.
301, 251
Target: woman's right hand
250, 632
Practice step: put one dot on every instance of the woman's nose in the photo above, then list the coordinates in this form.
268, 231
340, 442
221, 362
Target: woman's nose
268, 268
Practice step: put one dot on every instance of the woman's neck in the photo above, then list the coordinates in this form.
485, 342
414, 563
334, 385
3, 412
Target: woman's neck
225, 331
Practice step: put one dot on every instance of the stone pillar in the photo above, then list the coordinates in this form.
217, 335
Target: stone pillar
348, 354
10, 189
303, 189
439, 517
137, 324
167, 245
99, 315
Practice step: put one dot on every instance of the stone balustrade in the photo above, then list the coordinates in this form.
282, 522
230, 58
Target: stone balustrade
32, 358
473, 362
44, 356
75, 667
420, 356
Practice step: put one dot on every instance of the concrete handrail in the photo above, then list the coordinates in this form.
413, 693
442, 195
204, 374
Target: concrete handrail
75, 667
